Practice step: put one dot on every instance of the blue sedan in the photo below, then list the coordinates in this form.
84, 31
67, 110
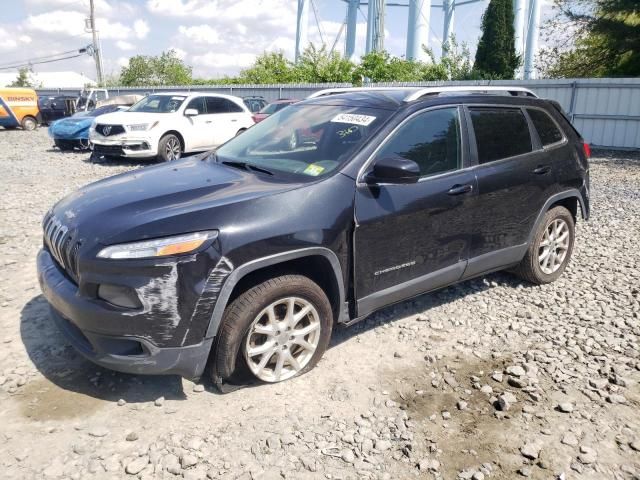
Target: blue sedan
73, 132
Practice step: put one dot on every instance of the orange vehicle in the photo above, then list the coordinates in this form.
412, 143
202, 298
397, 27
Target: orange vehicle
19, 108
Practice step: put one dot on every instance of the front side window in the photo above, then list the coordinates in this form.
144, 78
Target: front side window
431, 139
306, 140
158, 104
500, 133
198, 104
545, 126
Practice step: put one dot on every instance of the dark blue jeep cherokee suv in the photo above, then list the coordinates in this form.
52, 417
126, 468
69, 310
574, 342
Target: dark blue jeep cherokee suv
244, 260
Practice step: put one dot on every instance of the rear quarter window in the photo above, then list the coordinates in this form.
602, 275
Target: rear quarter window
545, 126
501, 132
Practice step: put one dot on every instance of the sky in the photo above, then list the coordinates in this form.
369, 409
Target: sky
214, 37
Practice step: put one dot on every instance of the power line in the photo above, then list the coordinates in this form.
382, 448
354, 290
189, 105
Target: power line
28, 64
44, 57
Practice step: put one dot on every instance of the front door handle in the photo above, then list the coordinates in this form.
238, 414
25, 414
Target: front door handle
208, 121
542, 169
460, 189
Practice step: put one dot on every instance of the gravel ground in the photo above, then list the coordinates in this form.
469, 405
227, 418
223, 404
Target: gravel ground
490, 379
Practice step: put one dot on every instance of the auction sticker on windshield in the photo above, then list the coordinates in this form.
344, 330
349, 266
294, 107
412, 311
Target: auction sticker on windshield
353, 118
314, 170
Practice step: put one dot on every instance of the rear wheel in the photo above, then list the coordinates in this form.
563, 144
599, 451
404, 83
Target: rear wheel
242, 130
273, 332
169, 148
549, 253
29, 123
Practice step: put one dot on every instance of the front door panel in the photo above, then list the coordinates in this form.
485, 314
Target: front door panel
405, 232
411, 238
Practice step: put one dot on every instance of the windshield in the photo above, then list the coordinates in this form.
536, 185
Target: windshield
102, 110
158, 104
308, 140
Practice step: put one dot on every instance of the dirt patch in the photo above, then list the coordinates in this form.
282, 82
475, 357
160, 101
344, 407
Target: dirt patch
41, 400
452, 412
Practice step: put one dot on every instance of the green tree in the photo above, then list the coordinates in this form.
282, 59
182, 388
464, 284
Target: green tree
23, 80
496, 53
592, 38
320, 66
166, 69
456, 62
270, 67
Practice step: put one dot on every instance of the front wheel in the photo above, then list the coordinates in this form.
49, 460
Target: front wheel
549, 253
169, 148
273, 332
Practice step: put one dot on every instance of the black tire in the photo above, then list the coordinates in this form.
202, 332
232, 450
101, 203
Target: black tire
242, 130
529, 268
227, 362
169, 148
64, 145
29, 123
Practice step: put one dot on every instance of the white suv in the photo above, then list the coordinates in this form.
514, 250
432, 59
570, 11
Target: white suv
169, 124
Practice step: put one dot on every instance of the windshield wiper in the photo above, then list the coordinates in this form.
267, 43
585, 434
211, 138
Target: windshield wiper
246, 166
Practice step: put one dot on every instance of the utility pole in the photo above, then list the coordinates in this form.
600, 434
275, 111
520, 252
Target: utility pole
97, 52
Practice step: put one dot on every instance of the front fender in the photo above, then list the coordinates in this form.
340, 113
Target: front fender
241, 271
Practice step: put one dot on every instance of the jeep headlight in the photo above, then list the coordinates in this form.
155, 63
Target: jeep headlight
159, 247
141, 127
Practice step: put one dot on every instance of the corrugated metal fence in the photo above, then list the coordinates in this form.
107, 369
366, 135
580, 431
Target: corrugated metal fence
606, 111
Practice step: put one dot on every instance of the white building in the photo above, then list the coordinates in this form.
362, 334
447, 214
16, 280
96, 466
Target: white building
50, 79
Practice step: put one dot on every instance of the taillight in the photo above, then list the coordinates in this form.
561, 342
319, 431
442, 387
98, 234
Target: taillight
255, 119
587, 149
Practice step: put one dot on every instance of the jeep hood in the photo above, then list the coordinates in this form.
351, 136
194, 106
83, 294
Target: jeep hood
162, 200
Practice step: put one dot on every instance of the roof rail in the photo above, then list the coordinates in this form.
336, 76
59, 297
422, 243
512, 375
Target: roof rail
417, 92
514, 91
334, 91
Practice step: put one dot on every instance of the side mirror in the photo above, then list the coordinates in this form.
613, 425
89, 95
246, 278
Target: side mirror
191, 112
395, 169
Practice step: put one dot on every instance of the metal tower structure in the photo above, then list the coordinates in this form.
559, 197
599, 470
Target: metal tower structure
519, 8
526, 24
302, 27
533, 32
375, 26
418, 29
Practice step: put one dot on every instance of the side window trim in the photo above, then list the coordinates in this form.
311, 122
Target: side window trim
461, 130
536, 142
557, 125
472, 135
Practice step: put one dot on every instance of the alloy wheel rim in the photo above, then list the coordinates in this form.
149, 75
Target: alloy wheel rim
554, 246
173, 149
282, 339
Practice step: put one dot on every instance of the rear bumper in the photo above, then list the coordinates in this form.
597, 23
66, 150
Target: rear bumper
126, 353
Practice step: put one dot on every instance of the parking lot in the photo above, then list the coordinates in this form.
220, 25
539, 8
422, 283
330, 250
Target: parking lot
489, 379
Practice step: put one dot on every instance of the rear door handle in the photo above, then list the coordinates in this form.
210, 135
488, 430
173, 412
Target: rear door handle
209, 121
542, 169
234, 119
460, 189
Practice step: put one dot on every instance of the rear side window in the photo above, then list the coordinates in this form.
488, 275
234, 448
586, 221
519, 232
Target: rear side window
221, 105
500, 133
545, 126
431, 139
